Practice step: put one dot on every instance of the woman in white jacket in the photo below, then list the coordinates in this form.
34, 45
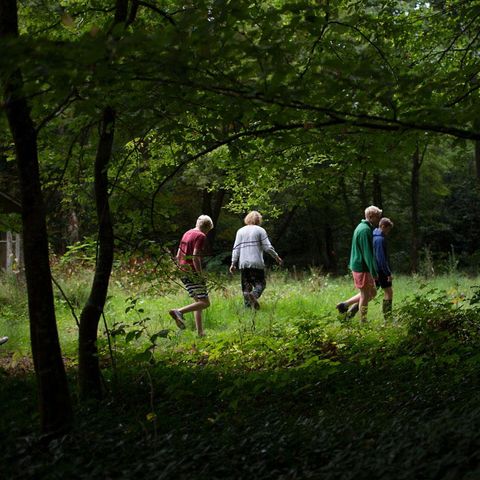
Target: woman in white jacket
250, 243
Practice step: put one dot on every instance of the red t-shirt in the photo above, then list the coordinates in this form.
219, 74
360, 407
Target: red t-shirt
192, 240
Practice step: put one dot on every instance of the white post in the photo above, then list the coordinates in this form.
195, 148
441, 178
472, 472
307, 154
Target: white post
9, 251
3, 242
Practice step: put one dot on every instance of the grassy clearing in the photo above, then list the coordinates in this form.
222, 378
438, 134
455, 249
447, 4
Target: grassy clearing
289, 392
285, 300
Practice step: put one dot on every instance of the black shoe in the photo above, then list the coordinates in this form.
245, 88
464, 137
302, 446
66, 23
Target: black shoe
178, 317
342, 307
352, 310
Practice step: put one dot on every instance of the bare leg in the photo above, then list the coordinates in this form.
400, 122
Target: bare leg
352, 300
200, 304
198, 322
388, 293
196, 308
342, 307
366, 294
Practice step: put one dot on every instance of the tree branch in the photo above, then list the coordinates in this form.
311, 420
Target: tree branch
71, 97
232, 138
164, 14
382, 55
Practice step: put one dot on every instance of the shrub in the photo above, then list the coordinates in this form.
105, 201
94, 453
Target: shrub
439, 322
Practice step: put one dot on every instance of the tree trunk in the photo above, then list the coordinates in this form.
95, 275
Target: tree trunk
377, 191
89, 375
53, 394
287, 220
331, 257
477, 161
362, 189
73, 228
346, 200
316, 246
476, 126
415, 194
212, 204
89, 366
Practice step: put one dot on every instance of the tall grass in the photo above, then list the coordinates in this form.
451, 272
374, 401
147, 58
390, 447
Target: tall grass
287, 300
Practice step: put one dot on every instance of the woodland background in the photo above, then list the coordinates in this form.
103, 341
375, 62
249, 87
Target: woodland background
122, 121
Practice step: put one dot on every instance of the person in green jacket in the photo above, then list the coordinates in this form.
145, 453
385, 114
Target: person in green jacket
363, 265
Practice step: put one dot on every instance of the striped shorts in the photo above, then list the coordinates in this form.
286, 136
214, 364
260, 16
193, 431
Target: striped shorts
196, 286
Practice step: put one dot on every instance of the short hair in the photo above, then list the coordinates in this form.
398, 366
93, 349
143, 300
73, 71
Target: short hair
204, 221
385, 222
371, 211
253, 218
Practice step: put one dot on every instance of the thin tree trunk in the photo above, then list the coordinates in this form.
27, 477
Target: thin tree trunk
346, 201
477, 161
415, 195
317, 253
362, 189
476, 126
331, 258
89, 374
73, 228
287, 220
53, 394
212, 204
89, 366
377, 191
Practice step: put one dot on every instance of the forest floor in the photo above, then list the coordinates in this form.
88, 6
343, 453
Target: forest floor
291, 391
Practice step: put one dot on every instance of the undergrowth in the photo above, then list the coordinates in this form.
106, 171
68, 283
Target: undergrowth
293, 391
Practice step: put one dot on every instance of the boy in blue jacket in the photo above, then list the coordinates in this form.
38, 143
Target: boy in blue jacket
384, 279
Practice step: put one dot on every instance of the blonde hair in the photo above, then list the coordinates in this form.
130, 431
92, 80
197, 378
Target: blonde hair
204, 222
372, 211
253, 218
385, 221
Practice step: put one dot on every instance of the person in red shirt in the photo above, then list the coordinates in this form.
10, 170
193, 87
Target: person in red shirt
189, 260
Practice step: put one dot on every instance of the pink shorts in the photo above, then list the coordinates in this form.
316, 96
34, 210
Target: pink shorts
363, 279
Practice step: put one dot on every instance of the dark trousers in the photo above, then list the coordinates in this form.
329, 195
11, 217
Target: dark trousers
253, 280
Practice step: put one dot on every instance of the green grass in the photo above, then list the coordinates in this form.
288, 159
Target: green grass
290, 391
285, 300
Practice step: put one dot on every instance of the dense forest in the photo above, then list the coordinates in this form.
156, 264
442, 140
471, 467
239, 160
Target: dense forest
306, 112
123, 120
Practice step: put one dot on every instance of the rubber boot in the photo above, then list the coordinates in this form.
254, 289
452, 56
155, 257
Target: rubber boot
363, 314
387, 309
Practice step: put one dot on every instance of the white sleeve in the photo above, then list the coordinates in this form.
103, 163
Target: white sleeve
267, 246
236, 249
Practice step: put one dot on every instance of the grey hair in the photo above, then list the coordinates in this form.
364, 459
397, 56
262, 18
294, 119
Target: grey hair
371, 211
253, 218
